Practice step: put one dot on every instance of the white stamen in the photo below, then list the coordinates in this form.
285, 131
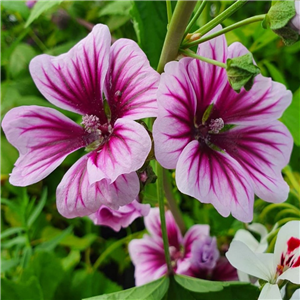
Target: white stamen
216, 125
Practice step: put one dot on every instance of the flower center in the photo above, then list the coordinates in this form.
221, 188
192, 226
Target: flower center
291, 258
175, 255
97, 133
203, 131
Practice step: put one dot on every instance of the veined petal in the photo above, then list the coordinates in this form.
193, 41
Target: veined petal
74, 80
214, 177
196, 232
125, 152
123, 217
43, 137
76, 197
208, 80
292, 275
148, 258
255, 264
262, 151
131, 84
153, 225
172, 130
265, 102
270, 292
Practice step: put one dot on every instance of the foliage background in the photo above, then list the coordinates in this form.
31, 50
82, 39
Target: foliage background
45, 256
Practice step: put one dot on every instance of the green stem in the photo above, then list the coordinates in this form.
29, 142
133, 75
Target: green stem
221, 17
160, 196
113, 247
180, 19
224, 30
196, 16
169, 10
267, 209
172, 202
208, 60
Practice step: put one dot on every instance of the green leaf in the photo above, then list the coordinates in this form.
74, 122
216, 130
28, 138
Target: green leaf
280, 13
291, 117
274, 72
241, 72
47, 269
150, 24
19, 60
198, 285
38, 209
207, 113
288, 35
11, 231
39, 8
50, 245
71, 260
8, 264
116, 8
19, 240
154, 290
28, 289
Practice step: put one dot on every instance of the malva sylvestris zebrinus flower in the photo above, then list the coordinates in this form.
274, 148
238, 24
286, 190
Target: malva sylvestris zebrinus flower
196, 254
110, 86
225, 146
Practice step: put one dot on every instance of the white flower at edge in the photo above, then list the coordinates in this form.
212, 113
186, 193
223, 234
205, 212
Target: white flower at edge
284, 264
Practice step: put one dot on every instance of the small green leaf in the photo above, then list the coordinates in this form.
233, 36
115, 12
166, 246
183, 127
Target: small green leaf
8, 264
120, 8
38, 209
39, 8
288, 35
241, 72
154, 290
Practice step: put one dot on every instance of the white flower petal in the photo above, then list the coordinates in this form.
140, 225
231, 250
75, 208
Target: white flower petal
270, 292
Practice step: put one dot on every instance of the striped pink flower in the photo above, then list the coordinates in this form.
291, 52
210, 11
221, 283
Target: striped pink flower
225, 146
110, 87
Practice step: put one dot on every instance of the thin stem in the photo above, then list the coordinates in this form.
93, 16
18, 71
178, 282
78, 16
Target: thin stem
224, 30
221, 17
169, 10
180, 19
160, 196
195, 18
208, 60
113, 247
172, 202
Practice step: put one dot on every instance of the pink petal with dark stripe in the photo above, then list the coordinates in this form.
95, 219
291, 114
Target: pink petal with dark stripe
74, 80
265, 102
153, 225
172, 130
44, 137
148, 258
131, 83
76, 197
215, 177
262, 151
124, 152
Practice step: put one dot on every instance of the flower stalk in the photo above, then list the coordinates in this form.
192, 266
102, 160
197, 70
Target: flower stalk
221, 17
196, 16
224, 30
177, 26
160, 196
208, 60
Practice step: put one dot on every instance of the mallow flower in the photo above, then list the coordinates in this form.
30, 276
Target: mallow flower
122, 217
196, 254
225, 146
273, 268
110, 87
